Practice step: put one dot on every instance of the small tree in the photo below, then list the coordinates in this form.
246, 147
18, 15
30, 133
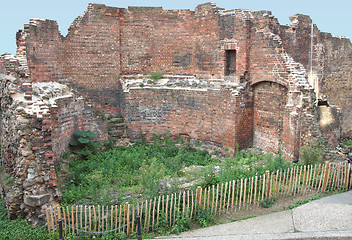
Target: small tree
83, 143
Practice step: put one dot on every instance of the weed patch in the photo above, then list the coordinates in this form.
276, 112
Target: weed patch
21, 229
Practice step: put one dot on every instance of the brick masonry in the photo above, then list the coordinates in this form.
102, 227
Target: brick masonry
233, 78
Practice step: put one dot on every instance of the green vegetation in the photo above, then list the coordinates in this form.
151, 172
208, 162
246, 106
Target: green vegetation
348, 143
267, 202
301, 202
156, 75
83, 145
313, 153
137, 170
20, 229
245, 164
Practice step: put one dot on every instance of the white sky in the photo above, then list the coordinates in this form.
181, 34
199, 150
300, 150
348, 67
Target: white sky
330, 16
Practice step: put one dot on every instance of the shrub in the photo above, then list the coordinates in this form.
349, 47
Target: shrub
150, 173
313, 153
82, 143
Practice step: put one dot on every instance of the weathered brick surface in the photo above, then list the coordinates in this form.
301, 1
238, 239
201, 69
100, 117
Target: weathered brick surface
269, 106
35, 131
202, 115
234, 78
331, 63
106, 43
72, 114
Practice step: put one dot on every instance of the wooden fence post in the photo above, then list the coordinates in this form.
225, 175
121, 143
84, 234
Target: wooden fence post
268, 184
127, 216
199, 195
346, 174
326, 176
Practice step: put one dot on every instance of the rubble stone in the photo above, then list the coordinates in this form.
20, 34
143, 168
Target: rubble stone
231, 79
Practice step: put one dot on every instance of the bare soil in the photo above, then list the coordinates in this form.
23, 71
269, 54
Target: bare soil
280, 204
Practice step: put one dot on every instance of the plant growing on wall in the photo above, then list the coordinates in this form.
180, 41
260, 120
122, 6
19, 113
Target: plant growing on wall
83, 143
156, 75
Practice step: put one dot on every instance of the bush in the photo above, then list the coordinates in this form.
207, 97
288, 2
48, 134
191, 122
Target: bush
313, 153
149, 175
82, 143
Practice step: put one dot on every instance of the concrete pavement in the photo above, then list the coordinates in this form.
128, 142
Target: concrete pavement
326, 218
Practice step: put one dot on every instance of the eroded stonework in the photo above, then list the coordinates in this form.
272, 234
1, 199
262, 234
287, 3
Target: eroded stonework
231, 78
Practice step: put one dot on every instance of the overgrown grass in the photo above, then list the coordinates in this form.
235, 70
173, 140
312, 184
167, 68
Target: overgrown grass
20, 229
245, 164
138, 170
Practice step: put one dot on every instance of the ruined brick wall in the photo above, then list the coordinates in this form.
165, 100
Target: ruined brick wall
92, 55
269, 104
37, 122
42, 41
72, 114
337, 77
28, 176
214, 116
331, 63
107, 42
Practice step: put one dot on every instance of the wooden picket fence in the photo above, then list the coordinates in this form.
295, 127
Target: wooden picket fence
217, 199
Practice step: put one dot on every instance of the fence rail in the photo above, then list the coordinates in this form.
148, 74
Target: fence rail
217, 199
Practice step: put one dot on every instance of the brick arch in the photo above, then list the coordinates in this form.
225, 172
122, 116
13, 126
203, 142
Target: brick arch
270, 99
279, 81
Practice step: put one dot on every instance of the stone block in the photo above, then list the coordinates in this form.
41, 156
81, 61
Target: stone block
36, 200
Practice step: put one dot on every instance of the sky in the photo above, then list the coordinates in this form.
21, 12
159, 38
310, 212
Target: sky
330, 16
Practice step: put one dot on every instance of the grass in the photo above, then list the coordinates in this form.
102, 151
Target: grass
156, 75
302, 202
20, 229
137, 170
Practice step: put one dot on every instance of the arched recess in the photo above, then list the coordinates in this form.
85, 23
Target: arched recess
270, 99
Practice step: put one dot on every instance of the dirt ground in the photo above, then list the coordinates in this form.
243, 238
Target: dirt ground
280, 204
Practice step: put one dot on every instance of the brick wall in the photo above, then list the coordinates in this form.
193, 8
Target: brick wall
72, 114
202, 115
107, 43
269, 104
338, 77
331, 63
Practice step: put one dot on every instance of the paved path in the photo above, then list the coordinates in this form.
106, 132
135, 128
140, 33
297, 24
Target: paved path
326, 218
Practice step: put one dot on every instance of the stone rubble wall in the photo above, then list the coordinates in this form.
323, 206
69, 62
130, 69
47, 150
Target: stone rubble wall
37, 123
